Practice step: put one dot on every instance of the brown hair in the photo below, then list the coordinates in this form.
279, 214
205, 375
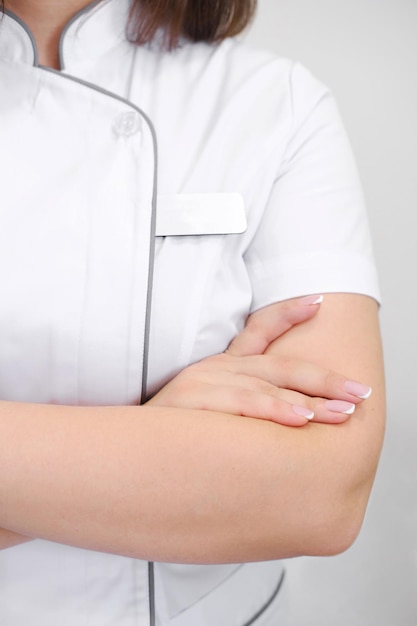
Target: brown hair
195, 20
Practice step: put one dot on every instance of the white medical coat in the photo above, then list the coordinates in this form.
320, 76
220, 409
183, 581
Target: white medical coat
104, 299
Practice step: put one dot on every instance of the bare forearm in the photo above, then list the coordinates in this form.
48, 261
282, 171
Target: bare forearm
174, 485
154, 483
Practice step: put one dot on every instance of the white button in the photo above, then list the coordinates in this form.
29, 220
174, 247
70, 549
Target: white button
127, 124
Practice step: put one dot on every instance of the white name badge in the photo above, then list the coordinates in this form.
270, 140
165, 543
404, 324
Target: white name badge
200, 214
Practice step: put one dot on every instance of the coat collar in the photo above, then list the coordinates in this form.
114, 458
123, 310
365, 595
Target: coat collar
90, 33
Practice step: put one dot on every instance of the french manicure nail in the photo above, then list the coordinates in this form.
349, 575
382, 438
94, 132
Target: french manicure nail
339, 406
357, 389
308, 300
301, 410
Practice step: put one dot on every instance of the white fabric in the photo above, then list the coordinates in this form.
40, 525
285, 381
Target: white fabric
76, 174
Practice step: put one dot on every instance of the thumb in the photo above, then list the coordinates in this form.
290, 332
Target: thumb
267, 324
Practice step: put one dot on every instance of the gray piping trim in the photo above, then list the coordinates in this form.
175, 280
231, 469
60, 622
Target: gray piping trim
151, 581
268, 603
64, 31
29, 33
151, 593
74, 18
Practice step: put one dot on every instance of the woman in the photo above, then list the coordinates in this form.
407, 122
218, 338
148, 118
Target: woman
156, 193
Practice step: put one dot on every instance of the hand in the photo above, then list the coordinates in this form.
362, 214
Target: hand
284, 390
288, 391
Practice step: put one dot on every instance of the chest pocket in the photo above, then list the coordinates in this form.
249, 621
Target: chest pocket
200, 214
201, 291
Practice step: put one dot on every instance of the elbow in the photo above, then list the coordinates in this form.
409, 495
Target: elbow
337, 537
337, 527
338, 520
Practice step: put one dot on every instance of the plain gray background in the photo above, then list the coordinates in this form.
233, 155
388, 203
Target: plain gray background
366, 51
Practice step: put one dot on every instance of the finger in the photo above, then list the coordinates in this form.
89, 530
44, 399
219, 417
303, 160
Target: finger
305, 377
236, 394
270, 322
248, 402
325, 411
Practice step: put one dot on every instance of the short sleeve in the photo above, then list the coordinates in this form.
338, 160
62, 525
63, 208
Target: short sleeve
314, 235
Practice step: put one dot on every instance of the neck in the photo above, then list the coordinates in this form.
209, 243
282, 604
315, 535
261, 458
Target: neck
46, 20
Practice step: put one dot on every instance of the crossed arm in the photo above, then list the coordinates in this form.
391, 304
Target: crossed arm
207, 486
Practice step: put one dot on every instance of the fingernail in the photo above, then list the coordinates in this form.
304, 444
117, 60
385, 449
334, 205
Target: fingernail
339, 406
308, 300
301, 410
357, 389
